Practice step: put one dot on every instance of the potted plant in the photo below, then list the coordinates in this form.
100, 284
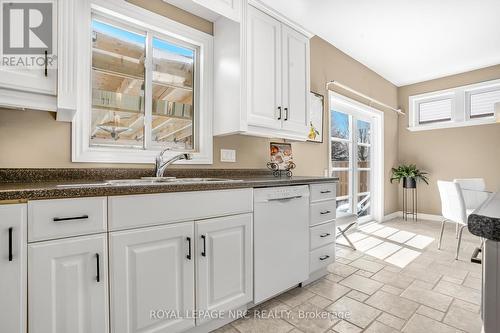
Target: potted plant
409, 174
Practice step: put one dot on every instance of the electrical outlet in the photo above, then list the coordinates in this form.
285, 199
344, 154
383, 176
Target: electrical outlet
228, 155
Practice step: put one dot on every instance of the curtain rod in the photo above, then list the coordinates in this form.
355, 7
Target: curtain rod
398, 111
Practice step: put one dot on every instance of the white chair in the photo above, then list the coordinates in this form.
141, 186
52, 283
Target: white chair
453, 209
473, 191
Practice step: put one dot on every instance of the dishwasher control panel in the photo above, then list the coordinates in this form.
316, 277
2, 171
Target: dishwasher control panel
276, 193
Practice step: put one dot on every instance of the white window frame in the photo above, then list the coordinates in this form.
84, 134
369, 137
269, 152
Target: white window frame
344, 104
460, 116
122, 11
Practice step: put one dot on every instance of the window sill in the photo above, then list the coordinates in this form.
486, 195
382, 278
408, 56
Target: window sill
452, 124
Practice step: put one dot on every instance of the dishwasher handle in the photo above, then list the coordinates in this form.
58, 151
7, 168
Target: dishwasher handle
285, 199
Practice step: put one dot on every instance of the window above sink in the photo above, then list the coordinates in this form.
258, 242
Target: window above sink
144, 86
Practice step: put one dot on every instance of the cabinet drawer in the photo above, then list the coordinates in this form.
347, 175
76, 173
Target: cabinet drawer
321, 257
323, 211
321, 192
48, 219
322, 235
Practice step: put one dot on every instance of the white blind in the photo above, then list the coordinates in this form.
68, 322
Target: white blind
434, 111
483, 104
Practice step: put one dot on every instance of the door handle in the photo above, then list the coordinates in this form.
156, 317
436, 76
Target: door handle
279, 112
10, 243
61, 219
325, 212
189, 248
98, 273
324, 257
285, 199
324, 235
204, 252
286, 114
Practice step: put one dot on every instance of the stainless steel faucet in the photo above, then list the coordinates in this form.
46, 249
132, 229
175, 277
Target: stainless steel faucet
161, 165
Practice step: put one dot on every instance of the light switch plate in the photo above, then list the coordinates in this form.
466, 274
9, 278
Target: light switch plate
228, 155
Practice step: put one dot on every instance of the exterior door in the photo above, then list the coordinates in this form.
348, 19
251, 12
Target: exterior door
295, 80
224, 263
264, 70
152, 269
351, 140
67, 283
13, 268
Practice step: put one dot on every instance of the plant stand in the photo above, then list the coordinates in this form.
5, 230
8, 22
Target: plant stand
410, 210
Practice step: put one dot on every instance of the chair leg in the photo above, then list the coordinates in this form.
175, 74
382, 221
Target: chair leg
459, 240
456, 231
441, 235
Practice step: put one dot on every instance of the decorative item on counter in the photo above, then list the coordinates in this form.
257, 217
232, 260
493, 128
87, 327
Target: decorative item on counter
315, 133
281, 159
410, 175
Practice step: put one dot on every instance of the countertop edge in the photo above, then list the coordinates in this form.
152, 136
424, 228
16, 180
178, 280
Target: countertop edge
54, 192
484, 225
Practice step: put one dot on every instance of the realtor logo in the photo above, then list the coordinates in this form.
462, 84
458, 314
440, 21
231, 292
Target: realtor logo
27, 28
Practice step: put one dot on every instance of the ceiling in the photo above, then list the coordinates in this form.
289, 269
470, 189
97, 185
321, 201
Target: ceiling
405, 41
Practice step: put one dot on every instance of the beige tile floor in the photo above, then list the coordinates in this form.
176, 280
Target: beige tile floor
397, 282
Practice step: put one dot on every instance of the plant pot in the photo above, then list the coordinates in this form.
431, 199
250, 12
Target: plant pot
409, 182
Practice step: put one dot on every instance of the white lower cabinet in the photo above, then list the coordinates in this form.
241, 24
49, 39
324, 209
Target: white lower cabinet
152, 279
13, 268
68, 285
224, 263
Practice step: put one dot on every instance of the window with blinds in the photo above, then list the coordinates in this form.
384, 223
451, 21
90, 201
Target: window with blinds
469, 105
435, 111
482, 104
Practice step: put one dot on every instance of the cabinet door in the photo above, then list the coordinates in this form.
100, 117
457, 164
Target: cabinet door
224, 263
152, 271
67, 283
228, 8
295, 80
13, 268
32, 78
264, 70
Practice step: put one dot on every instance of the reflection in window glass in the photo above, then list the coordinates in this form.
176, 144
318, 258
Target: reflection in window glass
117, 86
340, 125
343, 198
340, 154
173, 81
363, 208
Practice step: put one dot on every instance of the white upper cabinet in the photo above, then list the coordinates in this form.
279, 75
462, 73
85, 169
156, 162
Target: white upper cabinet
295, 80
68, 284
224, 263
228, 8
261, 76
13, 268
264, 70
152, 269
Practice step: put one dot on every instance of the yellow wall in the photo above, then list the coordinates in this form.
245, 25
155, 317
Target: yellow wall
464, 152
35, 139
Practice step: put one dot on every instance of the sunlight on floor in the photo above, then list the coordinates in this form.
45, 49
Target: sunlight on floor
386, 243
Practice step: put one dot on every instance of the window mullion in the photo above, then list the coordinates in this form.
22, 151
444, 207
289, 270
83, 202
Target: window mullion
148, 92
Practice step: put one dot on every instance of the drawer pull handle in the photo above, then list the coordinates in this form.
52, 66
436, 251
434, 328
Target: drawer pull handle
10, 243
324, 235
325, 212
204, 252
45, 72
189, 248
279, 112
286, 114
325, 192
324, 257
62, 219
98, 273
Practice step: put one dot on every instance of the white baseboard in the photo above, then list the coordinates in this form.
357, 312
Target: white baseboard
421, 216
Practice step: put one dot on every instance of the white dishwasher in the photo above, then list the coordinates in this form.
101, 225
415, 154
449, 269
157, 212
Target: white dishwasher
281, 239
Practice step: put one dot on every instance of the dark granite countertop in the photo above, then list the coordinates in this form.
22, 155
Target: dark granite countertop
36, 184
485, 220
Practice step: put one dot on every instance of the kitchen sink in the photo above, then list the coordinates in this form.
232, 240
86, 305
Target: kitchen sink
150, 181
